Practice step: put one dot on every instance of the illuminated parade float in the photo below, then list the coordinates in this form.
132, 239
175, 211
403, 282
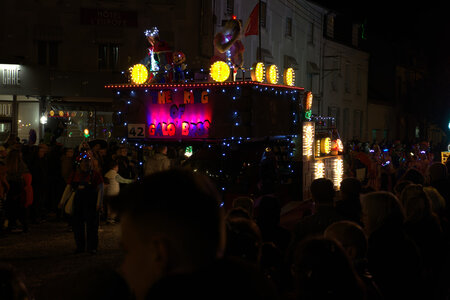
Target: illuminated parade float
240, 131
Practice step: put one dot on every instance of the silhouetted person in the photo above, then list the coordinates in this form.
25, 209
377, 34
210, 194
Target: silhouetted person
423, 226
439, 179
12, 286
246, 203
322, 270
322, 191
414, 176
349, 205
268, 220
354, 241
393, 257
243, 240
173, 234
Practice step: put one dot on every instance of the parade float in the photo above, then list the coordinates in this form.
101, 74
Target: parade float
236, 128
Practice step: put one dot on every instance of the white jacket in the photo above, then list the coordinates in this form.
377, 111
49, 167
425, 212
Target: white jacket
113, 187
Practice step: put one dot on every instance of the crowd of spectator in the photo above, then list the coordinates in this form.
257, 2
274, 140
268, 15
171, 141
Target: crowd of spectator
384, 234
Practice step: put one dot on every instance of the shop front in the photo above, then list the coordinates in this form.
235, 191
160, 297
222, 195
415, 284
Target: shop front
19, 105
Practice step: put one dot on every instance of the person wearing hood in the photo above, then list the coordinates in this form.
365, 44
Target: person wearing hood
158, 162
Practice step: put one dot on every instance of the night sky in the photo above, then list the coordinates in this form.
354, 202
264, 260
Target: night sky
421, 26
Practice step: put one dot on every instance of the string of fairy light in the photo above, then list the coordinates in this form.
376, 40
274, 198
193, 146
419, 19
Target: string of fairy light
233, 91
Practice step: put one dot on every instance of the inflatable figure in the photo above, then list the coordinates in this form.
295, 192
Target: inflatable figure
228, 47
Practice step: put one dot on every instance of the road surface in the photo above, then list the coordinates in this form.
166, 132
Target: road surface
45, 258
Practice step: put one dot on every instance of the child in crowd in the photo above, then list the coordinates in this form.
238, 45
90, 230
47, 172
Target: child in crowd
112, 189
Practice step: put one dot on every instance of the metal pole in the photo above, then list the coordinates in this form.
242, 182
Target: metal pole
259, 30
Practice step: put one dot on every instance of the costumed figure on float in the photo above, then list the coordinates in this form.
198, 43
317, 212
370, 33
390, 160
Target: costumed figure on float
159, 59
178, 66
228, 47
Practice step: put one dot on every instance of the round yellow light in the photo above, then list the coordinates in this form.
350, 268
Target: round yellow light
61, 113
289, 77
325, 145
52, 113
219, 71
257, 72
139, 74
272, 74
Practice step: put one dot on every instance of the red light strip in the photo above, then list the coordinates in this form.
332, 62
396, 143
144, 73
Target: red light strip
200, 85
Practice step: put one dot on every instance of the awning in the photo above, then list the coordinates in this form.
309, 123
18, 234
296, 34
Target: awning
312, 68
290, 62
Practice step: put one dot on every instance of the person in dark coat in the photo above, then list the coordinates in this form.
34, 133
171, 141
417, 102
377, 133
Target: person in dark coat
88, 187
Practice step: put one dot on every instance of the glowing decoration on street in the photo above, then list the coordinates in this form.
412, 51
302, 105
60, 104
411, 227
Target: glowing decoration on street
86, 133
325, 145
308, 101
340, 146
289, 77
308, 139
188, 151
43, 120
272, 74
219, 71
317, 149
257, 72
61, 113
319, 169
52, 113
139, 74
338, 172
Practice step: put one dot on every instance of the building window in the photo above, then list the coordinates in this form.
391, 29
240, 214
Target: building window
357, 123
263, 14
47, 53
309, 81
230, 8
346, 123
289, 27
334, 111
330, 26
27, 119
358, 80
311, 33
108, 56
347, 77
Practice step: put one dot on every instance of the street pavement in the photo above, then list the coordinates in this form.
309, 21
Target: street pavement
45, 258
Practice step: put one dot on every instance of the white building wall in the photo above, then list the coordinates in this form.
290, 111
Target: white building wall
345, 73
274, 39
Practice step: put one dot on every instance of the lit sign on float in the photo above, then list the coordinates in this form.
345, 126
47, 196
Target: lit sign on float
289, 77
257, 72
272, 74
179, 114
308, 139
338, 172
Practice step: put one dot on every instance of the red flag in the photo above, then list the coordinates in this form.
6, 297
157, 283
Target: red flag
252, 25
